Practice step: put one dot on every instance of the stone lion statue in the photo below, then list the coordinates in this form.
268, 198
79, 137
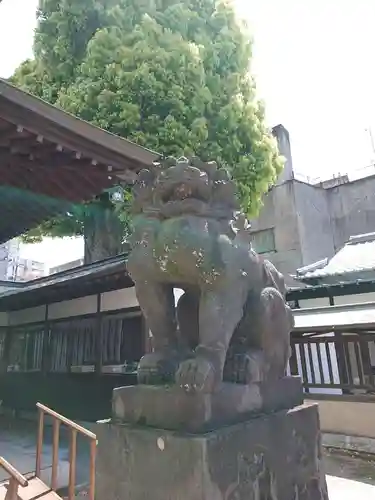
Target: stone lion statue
232, 323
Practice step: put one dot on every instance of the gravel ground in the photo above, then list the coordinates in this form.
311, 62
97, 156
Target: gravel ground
350, 465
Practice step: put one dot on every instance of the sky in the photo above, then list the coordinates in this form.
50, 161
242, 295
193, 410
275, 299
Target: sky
313, 63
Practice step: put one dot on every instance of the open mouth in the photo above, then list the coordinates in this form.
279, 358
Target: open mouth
183, 191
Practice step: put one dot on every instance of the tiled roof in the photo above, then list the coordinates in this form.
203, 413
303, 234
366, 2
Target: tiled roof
357, 257
72, 283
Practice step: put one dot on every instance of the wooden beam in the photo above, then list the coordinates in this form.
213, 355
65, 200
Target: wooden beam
24, 142
71, 182
53, 131
27, 144
43, 181
6, 135
39, 157
11, 135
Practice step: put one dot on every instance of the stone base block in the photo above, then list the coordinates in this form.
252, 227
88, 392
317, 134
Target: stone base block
172, 408
271, 457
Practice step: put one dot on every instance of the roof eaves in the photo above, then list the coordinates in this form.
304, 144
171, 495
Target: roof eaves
70, 274
310, 268
77, 126
361, 238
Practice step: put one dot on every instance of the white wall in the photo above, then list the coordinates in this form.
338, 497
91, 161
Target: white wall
348, 418
3, 319
118, 299
319, 302
31, 315
121, 299
75, 307
110, 301
339, 300
355, 299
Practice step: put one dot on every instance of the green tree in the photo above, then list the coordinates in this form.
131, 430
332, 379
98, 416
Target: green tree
170, 75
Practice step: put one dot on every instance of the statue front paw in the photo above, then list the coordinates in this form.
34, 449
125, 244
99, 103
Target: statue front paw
245, 367
157, 368
196, 375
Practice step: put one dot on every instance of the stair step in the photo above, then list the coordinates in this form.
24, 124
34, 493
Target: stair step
36, 489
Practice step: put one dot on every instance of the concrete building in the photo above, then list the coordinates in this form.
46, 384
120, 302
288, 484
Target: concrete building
66, 266
9, 253
303, 221
13, 267
26, 269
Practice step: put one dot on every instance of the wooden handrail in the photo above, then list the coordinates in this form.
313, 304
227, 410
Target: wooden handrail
74, 429
13, 472
66, 421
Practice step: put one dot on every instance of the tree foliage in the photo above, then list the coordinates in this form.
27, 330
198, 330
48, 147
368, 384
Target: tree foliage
170, 75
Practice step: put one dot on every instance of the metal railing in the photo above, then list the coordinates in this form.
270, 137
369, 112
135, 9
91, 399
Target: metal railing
341, 360
16, 479
75, 429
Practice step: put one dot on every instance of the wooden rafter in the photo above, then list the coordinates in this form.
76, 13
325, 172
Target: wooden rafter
53, 159
56, 183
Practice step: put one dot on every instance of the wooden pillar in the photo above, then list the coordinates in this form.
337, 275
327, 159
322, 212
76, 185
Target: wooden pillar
293, 357
4, 362
98, 335
366, 361
46, 352
342, 360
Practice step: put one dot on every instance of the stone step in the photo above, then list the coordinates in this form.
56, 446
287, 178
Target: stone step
36, 489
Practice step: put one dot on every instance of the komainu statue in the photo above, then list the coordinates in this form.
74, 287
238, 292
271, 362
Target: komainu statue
232, 324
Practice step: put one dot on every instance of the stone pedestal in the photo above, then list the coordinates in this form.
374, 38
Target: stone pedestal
274, 456
173, 409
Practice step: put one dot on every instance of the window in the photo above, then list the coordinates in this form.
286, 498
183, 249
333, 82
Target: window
2, 342
122, 339
26, 349
72, 343
264, 241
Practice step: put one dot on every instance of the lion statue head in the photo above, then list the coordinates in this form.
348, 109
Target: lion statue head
185, 212
174, 188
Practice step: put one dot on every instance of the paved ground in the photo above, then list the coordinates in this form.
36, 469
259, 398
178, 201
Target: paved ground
18, 444
350, 465
349, 476
346, 489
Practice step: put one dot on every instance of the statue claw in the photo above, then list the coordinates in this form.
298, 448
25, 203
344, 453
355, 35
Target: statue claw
196, 375
245, 367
